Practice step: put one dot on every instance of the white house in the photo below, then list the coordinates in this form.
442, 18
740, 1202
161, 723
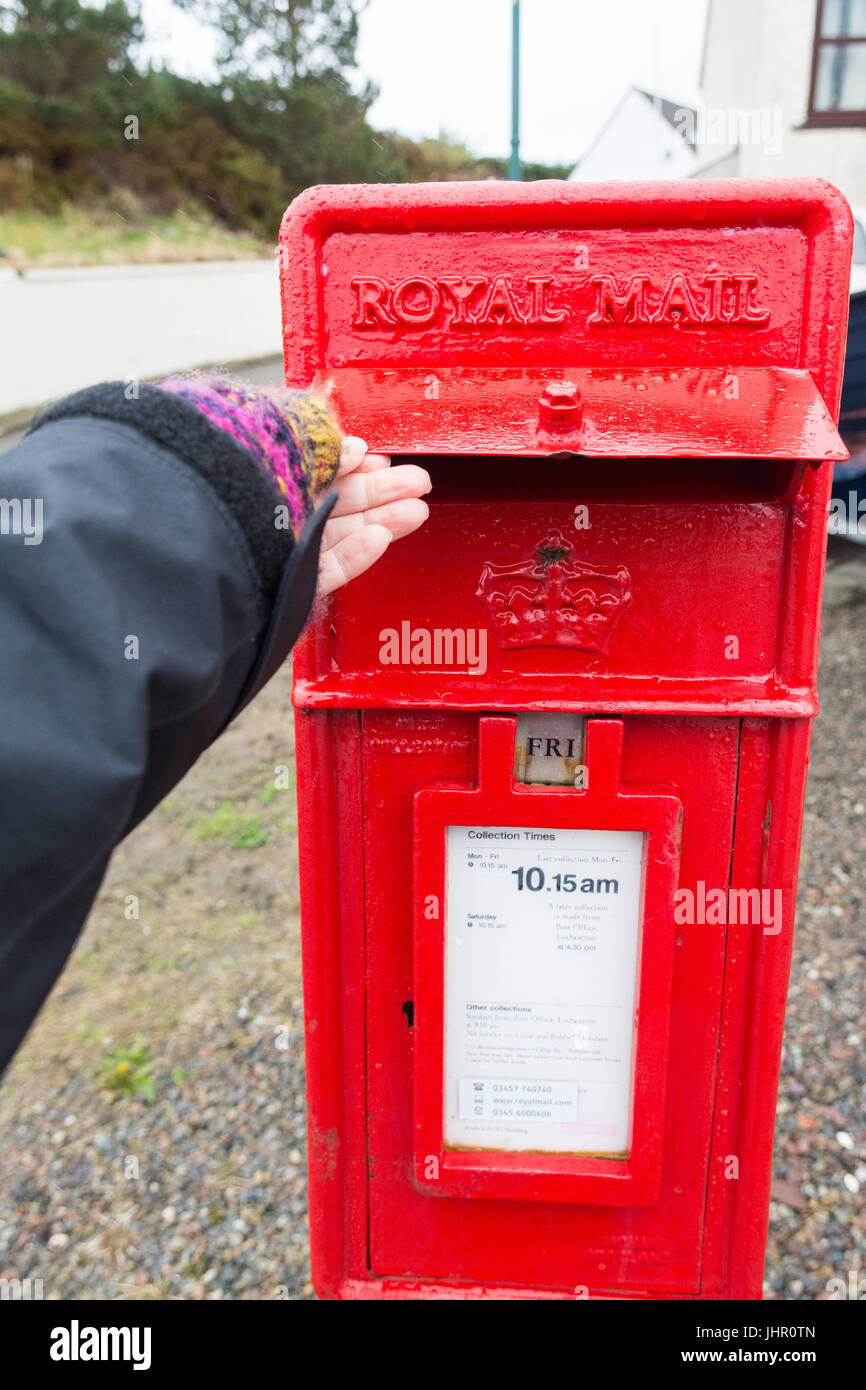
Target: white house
645, 137
784, 91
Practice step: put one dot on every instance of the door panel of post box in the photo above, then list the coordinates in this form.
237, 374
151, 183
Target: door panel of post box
554, 1245
698, 579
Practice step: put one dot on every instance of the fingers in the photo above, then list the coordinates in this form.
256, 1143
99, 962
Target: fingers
361, 491
400, 518
354, 456
376, 504
351, 556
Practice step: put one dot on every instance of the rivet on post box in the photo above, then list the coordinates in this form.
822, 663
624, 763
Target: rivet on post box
552, 749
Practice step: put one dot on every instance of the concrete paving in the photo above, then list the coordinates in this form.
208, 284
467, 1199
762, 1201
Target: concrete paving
67, 328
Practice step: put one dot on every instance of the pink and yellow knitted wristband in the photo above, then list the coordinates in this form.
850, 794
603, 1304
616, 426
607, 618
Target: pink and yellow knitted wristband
290, 433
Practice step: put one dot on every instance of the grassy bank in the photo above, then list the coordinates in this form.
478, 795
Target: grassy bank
122, 235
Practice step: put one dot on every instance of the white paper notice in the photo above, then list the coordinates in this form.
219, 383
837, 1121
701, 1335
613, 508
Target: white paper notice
542, 934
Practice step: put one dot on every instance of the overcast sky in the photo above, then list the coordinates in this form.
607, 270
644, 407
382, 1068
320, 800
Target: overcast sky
445, 65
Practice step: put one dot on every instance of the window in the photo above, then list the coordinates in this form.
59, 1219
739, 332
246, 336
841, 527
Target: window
838, 90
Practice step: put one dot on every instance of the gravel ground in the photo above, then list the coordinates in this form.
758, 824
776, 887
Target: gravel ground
818, 1216
201, 1193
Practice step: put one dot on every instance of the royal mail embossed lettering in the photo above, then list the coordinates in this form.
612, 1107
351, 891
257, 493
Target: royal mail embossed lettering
454, 302
715, 299
484, 303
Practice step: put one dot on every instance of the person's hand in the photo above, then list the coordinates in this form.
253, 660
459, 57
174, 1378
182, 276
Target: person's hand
377, 504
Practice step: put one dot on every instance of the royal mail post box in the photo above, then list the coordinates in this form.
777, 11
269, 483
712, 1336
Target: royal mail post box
552, 748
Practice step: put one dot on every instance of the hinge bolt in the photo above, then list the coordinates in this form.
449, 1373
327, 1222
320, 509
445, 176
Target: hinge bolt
559, 406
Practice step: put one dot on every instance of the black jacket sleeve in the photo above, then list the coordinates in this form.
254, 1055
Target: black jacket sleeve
146, 594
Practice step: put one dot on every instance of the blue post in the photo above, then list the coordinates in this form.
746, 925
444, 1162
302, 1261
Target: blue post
514, 169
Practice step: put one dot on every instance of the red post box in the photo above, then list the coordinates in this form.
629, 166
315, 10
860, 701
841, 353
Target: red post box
552, 749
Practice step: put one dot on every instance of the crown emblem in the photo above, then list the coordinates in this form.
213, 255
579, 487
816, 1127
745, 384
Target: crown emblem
552, 600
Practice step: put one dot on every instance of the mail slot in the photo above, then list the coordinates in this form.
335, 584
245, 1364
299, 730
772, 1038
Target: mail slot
552, 749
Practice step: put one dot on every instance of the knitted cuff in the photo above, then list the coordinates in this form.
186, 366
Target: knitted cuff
230, 469
289, 433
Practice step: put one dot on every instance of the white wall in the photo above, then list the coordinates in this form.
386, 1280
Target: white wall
758, 59
73, 327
